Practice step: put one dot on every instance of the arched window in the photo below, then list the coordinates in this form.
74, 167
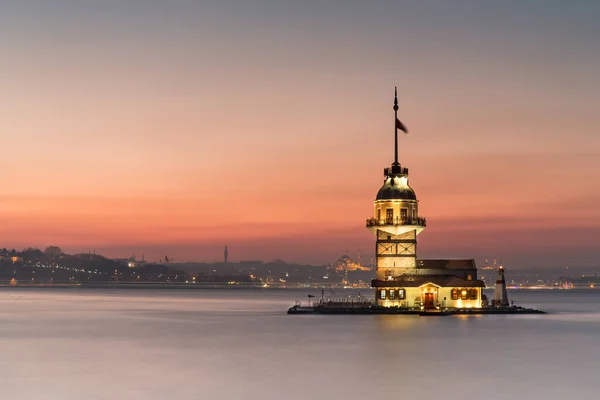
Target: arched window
454, 294
464, 294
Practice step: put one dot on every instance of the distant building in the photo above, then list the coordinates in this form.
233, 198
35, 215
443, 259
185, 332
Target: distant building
131, 262
401, 280
225, 255
122, 261
345, 263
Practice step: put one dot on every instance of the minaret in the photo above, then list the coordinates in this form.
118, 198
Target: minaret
225, 255
500, 294
396, 222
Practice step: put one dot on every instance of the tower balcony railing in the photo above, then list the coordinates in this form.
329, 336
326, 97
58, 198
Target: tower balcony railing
396, 221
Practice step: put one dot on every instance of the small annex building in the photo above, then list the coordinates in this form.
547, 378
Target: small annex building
401, 279
433, 284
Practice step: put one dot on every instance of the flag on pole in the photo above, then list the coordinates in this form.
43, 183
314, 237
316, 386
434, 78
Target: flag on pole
400, 125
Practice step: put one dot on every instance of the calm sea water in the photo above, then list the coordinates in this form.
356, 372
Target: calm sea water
240, 344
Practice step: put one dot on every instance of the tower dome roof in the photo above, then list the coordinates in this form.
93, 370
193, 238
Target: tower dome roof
396, 188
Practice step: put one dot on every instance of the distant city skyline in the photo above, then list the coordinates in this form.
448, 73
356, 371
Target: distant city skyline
180, 127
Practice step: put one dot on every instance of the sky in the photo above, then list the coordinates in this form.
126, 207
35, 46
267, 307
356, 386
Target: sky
178, 127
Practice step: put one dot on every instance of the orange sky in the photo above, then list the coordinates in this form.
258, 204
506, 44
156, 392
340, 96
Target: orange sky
179, 130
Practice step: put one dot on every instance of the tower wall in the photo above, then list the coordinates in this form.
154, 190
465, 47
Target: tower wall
396, 254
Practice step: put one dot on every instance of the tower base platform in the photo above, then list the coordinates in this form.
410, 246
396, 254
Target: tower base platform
362, 310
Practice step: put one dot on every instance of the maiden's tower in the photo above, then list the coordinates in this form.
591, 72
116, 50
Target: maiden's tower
401, 278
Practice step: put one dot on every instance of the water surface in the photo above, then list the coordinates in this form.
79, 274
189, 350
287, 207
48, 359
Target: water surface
240, 344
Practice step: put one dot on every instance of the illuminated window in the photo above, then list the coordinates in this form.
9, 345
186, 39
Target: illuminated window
392, 294
469, 277
382, 296
401, 294
389, 215
454, 294
403, 214
464, 294
473, 294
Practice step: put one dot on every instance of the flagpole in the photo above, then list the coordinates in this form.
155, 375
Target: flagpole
395, 126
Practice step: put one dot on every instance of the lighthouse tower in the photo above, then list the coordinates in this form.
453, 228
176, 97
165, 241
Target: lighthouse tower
500, 294
396, 221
